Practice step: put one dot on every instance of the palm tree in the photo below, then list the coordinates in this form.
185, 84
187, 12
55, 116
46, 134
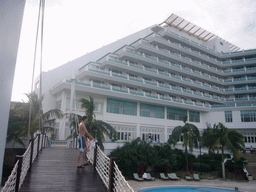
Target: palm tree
231, 139
47, 119
74, 120
17, 125
190, 134
20, 128
97, 128
209, 139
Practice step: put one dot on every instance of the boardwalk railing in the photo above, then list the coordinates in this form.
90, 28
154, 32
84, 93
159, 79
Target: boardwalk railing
24, 163
108, 171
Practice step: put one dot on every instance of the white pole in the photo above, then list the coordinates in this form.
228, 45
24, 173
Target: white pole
11, 14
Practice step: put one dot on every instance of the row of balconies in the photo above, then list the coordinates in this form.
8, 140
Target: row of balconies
184, 78
140, 92
203, 46
196, 72
184, 90
165, 97
188, 59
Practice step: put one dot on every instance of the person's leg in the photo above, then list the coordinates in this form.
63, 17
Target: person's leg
84, 160
78, 158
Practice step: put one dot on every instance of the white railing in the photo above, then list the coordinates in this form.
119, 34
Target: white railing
108, 171
11, 182
24, 163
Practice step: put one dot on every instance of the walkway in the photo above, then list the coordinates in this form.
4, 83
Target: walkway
55, 170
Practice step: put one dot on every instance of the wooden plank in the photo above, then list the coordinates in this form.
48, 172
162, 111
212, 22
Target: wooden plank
55, 170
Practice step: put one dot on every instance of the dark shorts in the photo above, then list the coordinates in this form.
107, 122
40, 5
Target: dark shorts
82, 145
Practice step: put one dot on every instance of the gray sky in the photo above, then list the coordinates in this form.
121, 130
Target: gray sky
73, 28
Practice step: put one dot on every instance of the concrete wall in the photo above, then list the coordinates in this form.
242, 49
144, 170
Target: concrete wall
11, 14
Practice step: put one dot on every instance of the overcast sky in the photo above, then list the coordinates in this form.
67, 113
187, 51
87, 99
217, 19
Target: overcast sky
73, 28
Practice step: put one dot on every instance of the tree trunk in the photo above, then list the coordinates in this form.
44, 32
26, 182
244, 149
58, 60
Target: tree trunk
222, 152
186, 152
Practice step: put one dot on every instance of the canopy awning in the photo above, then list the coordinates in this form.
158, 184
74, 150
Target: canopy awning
192, 29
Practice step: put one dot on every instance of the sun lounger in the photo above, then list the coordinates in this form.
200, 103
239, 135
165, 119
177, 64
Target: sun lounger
188, 178
136, 177
173, 176
163, 177
196, 177
149, 178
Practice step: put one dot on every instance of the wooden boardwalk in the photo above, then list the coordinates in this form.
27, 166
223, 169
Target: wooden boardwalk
55, 170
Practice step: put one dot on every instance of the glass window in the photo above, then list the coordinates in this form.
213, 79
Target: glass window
228, 116
155, 111
58, 105
248, 116
98, 107
121, 107
194, 116
176, 114
125, 133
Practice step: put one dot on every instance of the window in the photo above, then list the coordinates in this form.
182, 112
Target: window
121, 107
58, 105
248, 116
228, 116
221, 43
176, 114
194, 116
151, 134
125, 133
98, 107
147, 110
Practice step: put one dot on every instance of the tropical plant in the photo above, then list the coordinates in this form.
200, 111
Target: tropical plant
46, 120
191, 136
230, 139
74, 120
208, 139
17, 125
19, 128
97, 128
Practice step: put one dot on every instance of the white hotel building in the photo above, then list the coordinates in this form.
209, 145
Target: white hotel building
145, 83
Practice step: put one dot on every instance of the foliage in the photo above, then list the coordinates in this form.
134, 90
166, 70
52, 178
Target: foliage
220, 137
134, 153
97, 128
19, 118
18, 121
74, 120
190, 134
202, 168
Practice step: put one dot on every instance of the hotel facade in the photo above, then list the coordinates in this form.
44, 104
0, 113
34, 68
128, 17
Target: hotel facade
144, 84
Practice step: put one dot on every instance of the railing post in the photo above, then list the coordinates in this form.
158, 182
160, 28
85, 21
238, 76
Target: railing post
95, 156
38, 143
111, 174
31, 152
76, 142
46, 142
43, 140
20, 159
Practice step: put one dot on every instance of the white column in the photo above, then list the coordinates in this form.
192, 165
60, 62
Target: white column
11, 14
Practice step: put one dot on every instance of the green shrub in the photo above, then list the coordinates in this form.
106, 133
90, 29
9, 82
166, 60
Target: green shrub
134, 153
203, 168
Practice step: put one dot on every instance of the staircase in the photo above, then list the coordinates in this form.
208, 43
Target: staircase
251, 166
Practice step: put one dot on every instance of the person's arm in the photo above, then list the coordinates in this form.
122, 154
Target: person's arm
88, 134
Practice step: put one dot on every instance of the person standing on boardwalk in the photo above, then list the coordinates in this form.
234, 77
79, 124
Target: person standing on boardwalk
82, 144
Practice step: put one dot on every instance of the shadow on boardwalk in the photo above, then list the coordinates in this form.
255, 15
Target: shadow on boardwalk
55, 170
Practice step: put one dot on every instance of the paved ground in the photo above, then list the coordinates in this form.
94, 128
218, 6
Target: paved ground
243, 186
